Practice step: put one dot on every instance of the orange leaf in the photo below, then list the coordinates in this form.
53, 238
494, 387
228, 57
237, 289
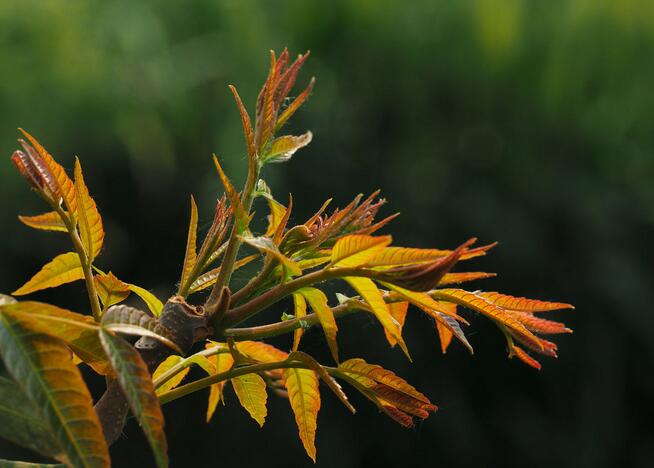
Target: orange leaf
209, 278
284, 147
318, 302
110, 289
295, 105
304, 396
64, 268
520, 303
300, 310
222, 362
247, 126
89, 219
242, 218
539, 325
398, 312
526, 358
456, 278
356, 250
261, 352
47, 222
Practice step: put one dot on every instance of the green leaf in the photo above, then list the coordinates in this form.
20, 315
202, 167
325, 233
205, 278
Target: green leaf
136, 383
64, 268
251, 392
131, 321
42, 366
318, 302
79, 332
22, 423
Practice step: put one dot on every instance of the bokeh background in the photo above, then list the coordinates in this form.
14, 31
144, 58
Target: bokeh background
527, 122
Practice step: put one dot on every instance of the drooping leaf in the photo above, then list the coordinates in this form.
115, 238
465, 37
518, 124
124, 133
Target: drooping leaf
136, 383
153, 303
42, 367
356, 249
89, 219
445, 334
398, 311
481, 305
222, 363
22, 422
165, 366
422, 300
284, 147
190, 257
266, 245
304, 396
64, 268
64, 185
318, 302
209, 278
522, 304
242, 218
373, 297
47, 222
300, 310
251, 392
131, 321
110, 289
79, 332
526, 358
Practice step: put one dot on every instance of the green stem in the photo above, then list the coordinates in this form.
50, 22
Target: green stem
188, 362
87, 266
212, 379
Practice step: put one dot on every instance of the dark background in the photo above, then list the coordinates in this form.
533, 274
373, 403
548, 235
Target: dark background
527, 122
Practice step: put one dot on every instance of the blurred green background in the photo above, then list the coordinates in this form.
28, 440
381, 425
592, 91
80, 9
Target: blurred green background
527, 122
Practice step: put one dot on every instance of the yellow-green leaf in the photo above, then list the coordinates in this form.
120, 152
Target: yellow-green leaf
373, 296
47, 222
64, 268
277, 212
110, 289
262, 352
357, 249
41, 365
284, 147
190, 256
266, 245
300, 310
89, 219
79, 332
222, 363
153, 303
304, 397
165, 366
242, 218
136, 383
318, 302
251, 392
209, 278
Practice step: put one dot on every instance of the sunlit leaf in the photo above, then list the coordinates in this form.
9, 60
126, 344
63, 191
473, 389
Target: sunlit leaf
356, 250
4, 299
539, 325
242, 218
47, 222
464, 277
304, 396
209, 278
110, 289
262, 352
89, 219
373, 297
300, 310
284, 147
398, 311
318, 302
79, 332
522, 304
526, 358
64, 185
277, 212
190, 257
165, 366
136, 383
131, 321
22, 422
251, 392
153, 303
247, 127
64, 268
42, 367
266, 245
222, 363
295, 105
396, 256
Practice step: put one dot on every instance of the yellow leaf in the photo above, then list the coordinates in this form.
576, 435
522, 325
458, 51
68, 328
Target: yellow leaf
153, 303
396, 256
110, 289
251, 392
318, 302
300, 310
266, 245
89, 219
284, 147
222, 363
47, 222
261, 352
277, 212
456, 278
64, 185
398, 312
444, 333
373, 296
209, 278
190, 256
242, 218
304, 397
64, 268
174, 381
357, 250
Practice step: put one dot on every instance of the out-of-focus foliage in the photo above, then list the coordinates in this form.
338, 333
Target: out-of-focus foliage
531, 118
